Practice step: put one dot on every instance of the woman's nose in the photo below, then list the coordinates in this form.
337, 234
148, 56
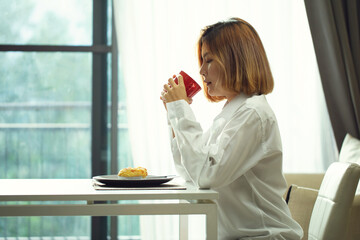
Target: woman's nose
202, 70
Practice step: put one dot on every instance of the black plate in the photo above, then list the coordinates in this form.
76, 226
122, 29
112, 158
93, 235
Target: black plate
116, 181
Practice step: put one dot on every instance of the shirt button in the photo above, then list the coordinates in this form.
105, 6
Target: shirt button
212, 161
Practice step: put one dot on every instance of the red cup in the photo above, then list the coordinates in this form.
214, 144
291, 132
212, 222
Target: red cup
191, 86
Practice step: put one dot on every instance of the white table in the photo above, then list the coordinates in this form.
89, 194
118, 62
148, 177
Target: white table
191, 201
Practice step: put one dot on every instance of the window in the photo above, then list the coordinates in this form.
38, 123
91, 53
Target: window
58, 89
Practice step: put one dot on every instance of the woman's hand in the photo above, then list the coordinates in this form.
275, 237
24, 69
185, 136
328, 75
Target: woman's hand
174, 92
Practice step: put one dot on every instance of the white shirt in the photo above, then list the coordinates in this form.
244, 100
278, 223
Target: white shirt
240, 156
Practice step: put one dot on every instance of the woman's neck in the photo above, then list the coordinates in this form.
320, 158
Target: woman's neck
231, 97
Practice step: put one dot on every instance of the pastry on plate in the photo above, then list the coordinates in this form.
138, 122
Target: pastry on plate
133, 172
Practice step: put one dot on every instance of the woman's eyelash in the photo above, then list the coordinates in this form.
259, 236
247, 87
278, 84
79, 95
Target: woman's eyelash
209, 61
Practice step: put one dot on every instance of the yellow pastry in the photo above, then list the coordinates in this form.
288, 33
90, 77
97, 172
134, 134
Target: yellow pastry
133, 172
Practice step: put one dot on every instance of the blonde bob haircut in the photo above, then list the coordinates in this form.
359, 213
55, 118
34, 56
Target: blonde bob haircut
237, 48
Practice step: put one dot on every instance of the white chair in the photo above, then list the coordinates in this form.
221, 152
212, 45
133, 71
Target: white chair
336, 194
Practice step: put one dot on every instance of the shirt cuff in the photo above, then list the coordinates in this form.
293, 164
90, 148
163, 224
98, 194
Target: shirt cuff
179, 109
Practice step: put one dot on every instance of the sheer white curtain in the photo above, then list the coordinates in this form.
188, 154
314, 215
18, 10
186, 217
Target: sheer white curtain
157, 39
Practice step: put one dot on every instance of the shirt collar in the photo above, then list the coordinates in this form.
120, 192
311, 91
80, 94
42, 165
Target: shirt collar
230, 107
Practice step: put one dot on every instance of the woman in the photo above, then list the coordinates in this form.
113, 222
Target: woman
240, 156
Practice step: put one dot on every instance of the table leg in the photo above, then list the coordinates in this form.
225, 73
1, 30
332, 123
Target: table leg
211, 224
183, 227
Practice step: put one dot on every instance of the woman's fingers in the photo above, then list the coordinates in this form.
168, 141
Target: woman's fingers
172, 82
163, 95
180, 80
174, 91
166, 87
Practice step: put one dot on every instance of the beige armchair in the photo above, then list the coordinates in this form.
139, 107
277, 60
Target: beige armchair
330, 213
301, 200
304, 188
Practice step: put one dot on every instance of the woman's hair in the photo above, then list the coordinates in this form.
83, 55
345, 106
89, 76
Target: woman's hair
237, 48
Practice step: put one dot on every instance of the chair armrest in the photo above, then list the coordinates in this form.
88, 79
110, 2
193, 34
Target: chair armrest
307, 180
301, 202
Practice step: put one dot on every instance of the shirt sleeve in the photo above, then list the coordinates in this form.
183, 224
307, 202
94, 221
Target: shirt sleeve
177, 158
177, 154
238, 147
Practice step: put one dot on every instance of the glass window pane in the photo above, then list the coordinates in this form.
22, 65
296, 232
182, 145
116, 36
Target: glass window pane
45, 130
45, 115
31, 228
66, 22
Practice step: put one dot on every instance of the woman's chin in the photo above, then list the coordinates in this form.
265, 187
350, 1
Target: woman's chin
210, 92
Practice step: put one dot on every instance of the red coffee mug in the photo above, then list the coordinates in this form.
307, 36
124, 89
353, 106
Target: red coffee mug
191, 86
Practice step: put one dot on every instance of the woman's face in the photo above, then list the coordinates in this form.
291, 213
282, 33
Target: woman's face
213, 75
